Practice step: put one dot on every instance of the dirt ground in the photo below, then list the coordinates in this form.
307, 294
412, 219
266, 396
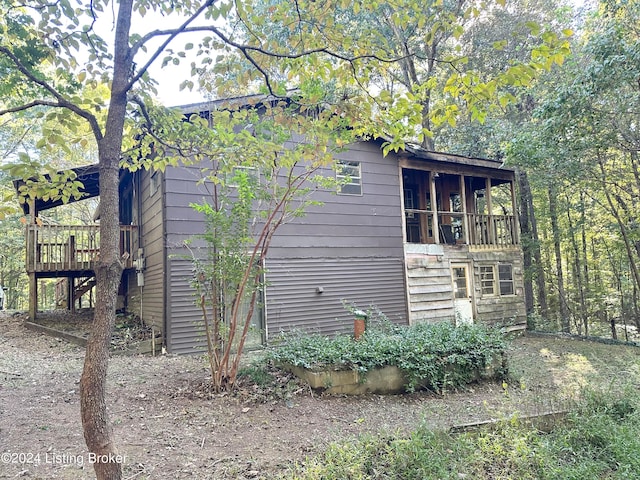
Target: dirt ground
168, 428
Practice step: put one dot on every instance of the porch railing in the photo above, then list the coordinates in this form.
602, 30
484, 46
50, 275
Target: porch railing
459, 228
69, 248
492, 230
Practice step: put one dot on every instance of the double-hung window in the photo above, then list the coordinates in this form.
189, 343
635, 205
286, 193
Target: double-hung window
488, 280
349, 177
497, 279
505, 277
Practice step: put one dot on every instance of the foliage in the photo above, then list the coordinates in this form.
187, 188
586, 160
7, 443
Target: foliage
580, 147
259, 176
411, 58
439, 356
12, 274
599, 440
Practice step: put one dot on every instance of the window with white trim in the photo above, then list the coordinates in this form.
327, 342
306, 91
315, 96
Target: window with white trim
505, 279
349, 177
488, 280
154, 183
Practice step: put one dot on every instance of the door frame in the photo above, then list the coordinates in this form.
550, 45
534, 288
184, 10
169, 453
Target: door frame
463, 307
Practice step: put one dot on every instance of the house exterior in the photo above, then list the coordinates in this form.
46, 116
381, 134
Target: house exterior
422, 236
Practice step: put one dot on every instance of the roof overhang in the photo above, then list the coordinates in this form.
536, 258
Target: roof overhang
89, 177
418, 158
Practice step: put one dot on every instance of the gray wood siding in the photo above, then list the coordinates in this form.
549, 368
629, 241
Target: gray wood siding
152, 228
294, 301
352, 244
350, 225
186, 334
430, 290
182, 222
371, 221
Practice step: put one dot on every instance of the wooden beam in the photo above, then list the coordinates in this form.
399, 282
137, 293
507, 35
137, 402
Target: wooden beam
33, 296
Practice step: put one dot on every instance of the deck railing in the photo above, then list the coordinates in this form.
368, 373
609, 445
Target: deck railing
459, 228
492, 230
69, 248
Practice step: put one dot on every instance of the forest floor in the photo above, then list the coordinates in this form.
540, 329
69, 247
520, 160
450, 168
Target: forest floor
167, 425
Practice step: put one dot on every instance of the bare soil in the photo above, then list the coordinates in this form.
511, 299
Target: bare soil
168, 426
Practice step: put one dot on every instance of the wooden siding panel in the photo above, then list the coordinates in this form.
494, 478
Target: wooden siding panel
372, 220
185, 334
430, 290
152, 294
294, 300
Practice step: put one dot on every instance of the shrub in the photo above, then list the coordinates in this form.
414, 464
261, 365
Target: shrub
437, 356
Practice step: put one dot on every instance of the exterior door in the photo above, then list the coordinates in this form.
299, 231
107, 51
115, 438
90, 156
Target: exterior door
462, 296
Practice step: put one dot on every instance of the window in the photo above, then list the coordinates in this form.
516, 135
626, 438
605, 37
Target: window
505, 276
232, 178
349, 177
488, 279
154, 184
409, 202
460, 282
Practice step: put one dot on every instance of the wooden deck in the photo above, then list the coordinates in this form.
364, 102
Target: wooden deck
64, 249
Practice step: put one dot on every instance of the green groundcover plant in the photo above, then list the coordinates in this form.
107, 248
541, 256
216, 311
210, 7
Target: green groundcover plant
436, 356
599, 439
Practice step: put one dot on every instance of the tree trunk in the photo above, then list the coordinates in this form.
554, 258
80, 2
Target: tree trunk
555, 230
628, 244
578, 271
533, 248
537, 257
612, 321
587, 290
527, 241
95, 419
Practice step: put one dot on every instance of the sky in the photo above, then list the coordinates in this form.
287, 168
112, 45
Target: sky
171, 76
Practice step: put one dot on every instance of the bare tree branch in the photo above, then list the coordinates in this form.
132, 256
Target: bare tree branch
246, 50
61, 101
150, 130
27, 106
172, 34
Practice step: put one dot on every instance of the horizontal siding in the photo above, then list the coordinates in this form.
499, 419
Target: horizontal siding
501, 310
430, 291
149, 301
372, 221
185, 334
153, 295
182, 188
294, 302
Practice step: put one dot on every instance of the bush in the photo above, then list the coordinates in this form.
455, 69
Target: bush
437, 356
